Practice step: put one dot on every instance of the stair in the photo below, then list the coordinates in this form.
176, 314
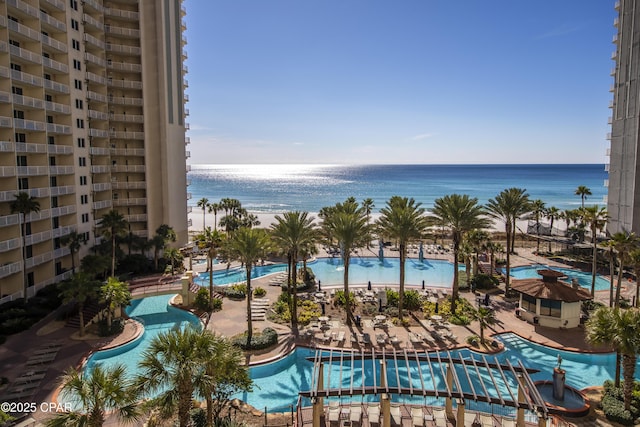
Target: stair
90, 311
259, 309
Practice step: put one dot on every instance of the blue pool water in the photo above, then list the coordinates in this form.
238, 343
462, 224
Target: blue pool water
157, 316
235, 275
584, 279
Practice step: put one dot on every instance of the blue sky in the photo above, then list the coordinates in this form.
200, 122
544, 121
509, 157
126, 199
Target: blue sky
399, 81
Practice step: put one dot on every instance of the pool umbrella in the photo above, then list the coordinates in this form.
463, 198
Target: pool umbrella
423, 285
319, 285
436, 308
323, 309
421, 254
380, 305
381, 253
369, 286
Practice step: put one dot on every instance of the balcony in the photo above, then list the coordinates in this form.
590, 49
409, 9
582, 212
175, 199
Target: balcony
104, 204
54, 65
136, 218
92, 22
615, 39
126, 135
98, 151
7, 171
610, 120
94, 96
4, 72
39, 259
606, 167
123, 14
609, 136
55, 86
123, 49
53, 43
58, 4
35, 238
27, 55
9, 245
26, 78
100, 169
63, 210
61, 170
62, 231
188, 168
187, 140
607, 152
129, 185
23, 30
606, 183
56, 107
38, 192
10, 195
105, 186
121, 31
4, 46
45, 18
125, 84
616, 5
58, 129
98, 115
8, 220
93, 4
189, 209
28, 147
89, 57
6, 147
9, 269
614, 55
127, 151
94, 41
93, 77
616, 21
32, 170
98, 133
63, 190
611, 104
187, 154
37, 216
127, 118
125, 66
189, 196
31, 125
27, 101
59, 149
24, 7
117, 100
142, 201
128, 168
5, 122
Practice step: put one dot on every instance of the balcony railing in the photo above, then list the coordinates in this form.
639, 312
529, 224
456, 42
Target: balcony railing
59, 149
39, 259
62, 231
128, 168
63, 190
126, 135
121, 31
104, 204
58, 4
100, 169
99, 133
124, 14
27, 101
63, 210
89, 20
129, 185
26, 78
32, 125
56, 107
99, 151
58, 87
6, 122
28, 147
94, 41
9, 245
94, 96
55, 65
125, 84
32, 170
10, 195
26, 8
32, 239
24, 30
60, 129
98, 115
128, 118
61, 170
142, 201
45, 18
51, 42
104, 186
27, 55
127, 151
6, 147
7, 171
9, 269
94, 5
8, 220
95, 59
125, 66
136, 218
125, 101
123, 49
93, 77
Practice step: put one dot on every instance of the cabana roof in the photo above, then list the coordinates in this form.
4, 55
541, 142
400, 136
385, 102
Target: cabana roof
550, 288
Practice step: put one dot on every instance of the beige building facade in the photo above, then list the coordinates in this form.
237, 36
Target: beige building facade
92, 118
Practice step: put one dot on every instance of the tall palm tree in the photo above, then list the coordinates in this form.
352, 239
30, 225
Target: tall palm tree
174, 256
165, 234
478, 241
461, 214
493, 248
552, 213
292, 233
210, 240
227, 374
202, 203
485, 317
403, 220
74, 241
23, 205
97, 393
346, 224
115, 294
171, 368
79, 289
214, 208
508, 206
624, 243
113, 225
634, 260
610, 254
537, 211
618, 328
596, 218
249, 245
583, 191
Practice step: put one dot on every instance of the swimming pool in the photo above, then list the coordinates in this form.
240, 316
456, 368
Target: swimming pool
583, 278
235, 275
157, 316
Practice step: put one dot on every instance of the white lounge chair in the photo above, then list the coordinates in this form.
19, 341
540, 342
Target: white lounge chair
440, 417
508, 422
373, 413
334, 414
417, 416
356, 413
469, 418
396, 416
341, 336
486, 420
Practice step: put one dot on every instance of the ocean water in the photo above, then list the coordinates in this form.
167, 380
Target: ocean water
281, 188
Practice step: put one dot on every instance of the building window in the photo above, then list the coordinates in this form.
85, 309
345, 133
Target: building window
51, 140
21, 160
21, 137
75, 44
16, 90
49, 119
80, 123
79, 104
77, 65
52, 161
56, 242
29, 251
85, 218
84, 199
550, 308
48, 97
81, 142
47, 76
528, 303
77, 84
18, 114
14, 43
56, 222
16, 67
73, 4
83, 180
54, 202
59, 269
31, 281
75, 24
53, 181
23, 183
82, 161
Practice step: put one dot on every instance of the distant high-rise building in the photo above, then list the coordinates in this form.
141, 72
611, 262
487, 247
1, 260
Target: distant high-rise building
92, 118
623, 200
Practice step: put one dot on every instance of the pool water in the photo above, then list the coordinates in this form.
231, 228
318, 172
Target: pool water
583, 278
157, 316
235, 275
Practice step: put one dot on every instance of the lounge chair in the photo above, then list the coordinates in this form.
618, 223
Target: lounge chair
356, 413
366, 338
440, 417
486, 420
341, 336
470, 418
381, 339
373, 413
417, 416
396, 416
334, 414
508, 422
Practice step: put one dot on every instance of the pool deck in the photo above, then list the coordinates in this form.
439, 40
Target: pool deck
231, 320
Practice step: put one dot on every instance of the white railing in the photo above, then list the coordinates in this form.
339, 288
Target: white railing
121, 31
96, 78
55, 65
59, 149
127, 135
27, 101
62, 231
57, 128
48, 19
24, 30
24, 147
61, 170
6, 146
95, 59
125, 66
125, 84
94, 41
56, 107
62, 190
128, 168
99, 133
25, 54
127, 151
129, 118
54, 43
29, 124
63, 210
127, 14
99, 115
58, 4
125, 101
130, 185
119, 48
26, 78
104, 186
102, 205
99, 151
32, 239
32, 170
136, 218
26, 8
99, 169
130, 202
8, 270
96, 96
9, 245
39, 259
88, 19
7, 220
58, 87
38, 192
7, 171
94, 4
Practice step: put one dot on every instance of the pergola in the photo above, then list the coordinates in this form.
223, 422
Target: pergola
439, 374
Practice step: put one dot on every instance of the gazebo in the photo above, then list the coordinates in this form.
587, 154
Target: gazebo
549, 302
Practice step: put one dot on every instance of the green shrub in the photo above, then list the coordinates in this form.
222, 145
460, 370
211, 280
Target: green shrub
198, 417
202, 300
393, 297
237, 291
259, 292
459, 319
391, 311
473, 340
308, 276
216, 304
591, 305
613, 403
412, 300
340, 299
117, 326
484, 281
267, 338
15, 325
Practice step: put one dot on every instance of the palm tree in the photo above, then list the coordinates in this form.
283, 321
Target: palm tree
583, 191
610, 254
249, 245
461, 214
493, 248
202, 203
80, 288
115, 294
227, 374
634, 260
174, 256
292, 233
346, 224
403, 220
485, 317
507, 207
596, 218
210, 240
537, 211
171, 368
478, 241
624, 243
113, 225
214, 207
97, 393
618, 328
552, 213
23, 205
73, 240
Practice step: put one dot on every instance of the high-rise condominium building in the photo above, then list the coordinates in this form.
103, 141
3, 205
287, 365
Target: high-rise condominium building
623, 200
92, 118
